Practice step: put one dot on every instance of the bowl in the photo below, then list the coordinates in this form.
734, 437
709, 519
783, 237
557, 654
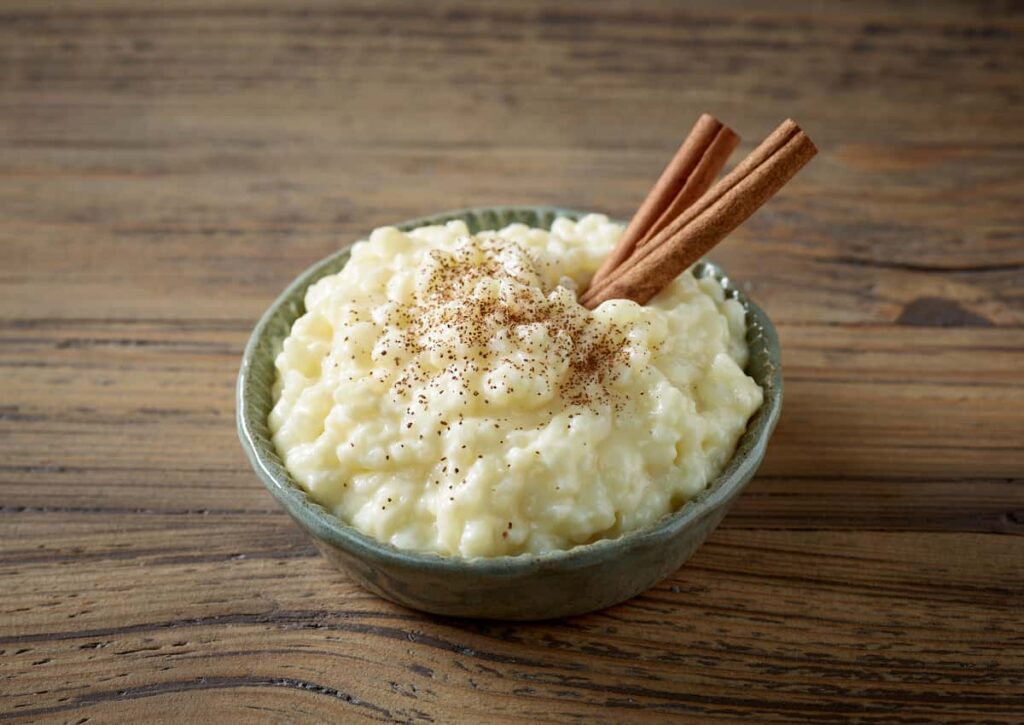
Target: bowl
528, 586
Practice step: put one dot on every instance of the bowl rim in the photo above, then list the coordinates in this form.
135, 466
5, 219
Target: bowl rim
324, 525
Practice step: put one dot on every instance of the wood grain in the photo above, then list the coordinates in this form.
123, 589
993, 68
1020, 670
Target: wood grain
165, 169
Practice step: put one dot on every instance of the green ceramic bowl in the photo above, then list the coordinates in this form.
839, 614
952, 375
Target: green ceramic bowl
528, 586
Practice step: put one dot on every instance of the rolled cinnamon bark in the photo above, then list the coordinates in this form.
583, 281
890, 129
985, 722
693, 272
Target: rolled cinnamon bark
700, 227
698, 182
691, 171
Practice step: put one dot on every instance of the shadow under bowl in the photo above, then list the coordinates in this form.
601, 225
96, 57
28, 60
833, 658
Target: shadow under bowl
528, 586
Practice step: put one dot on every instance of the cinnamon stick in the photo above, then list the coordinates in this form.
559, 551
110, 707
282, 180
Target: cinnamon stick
688, 175
700, 227
699, 181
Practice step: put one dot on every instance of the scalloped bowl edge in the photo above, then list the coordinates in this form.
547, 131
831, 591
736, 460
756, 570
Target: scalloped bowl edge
529, 586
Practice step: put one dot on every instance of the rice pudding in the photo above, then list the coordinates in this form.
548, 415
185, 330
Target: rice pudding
445, 392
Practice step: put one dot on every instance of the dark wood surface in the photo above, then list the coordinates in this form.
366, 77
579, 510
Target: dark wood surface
166, 169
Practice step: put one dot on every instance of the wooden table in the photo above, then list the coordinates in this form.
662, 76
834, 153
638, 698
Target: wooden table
166, 170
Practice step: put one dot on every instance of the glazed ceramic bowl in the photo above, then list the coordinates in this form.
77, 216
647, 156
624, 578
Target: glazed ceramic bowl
527, 586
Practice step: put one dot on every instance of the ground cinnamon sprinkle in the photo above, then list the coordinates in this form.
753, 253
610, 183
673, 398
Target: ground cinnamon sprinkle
453, 316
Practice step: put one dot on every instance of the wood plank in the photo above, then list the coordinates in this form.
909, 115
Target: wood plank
165, 171
881, 628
